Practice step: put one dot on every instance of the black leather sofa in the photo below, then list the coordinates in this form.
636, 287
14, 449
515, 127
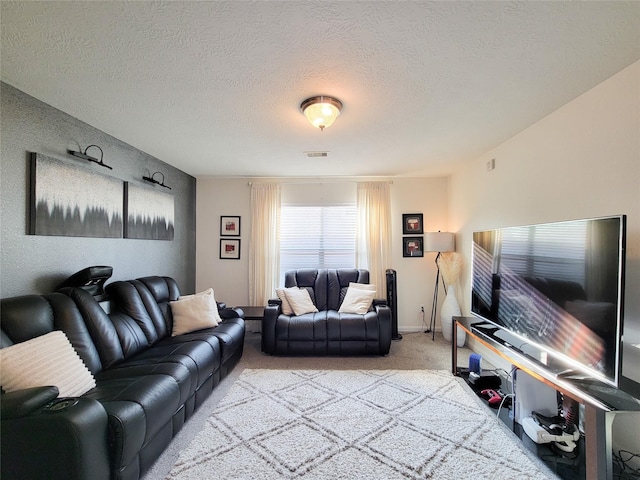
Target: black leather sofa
326, 332
148, 383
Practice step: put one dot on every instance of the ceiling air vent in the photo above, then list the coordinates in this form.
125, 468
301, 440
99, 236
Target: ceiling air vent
316, 154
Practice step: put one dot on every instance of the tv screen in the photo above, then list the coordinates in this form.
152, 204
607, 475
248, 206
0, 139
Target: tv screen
557, 286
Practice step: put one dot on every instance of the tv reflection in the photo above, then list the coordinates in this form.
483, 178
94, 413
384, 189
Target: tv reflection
550, 313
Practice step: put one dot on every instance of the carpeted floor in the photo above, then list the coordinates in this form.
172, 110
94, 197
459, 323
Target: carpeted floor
416, 351
353, 424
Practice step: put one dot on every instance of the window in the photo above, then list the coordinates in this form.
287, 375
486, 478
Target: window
317, 236
318, 226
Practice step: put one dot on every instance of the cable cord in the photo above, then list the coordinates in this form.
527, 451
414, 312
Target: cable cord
622, 459
502, 402
509, 379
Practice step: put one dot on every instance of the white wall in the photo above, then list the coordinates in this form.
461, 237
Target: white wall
229, 278
581, 161
38, 263
215, 198
416, 276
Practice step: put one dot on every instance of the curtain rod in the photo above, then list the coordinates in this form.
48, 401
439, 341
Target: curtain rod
319, 182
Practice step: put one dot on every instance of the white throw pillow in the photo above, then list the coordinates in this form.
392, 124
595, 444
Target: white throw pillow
300, 300
195, 312
286, 306
363, 286
44, 361
358, 298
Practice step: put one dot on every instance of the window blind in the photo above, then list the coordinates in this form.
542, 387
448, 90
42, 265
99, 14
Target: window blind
317, 236
547, 251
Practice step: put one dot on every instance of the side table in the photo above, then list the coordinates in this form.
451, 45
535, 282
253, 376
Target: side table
253, 314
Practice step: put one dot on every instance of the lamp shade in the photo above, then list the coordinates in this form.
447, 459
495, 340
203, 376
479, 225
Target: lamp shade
439, 242
321, 111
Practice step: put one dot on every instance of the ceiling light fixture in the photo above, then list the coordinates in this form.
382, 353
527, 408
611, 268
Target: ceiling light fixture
321, 111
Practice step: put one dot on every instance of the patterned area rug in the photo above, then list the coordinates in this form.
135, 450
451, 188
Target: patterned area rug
353, 424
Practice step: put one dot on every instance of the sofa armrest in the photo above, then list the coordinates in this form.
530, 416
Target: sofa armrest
23, 402
271, 313
379, 302
64, 439
385, 325
226, 313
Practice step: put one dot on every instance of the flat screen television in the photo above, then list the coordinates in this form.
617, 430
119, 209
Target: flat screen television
559, 287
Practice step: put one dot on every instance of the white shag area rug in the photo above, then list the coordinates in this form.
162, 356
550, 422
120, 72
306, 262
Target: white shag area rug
353, 424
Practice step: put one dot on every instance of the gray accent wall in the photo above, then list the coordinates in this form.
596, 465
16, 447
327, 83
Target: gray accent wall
36, 263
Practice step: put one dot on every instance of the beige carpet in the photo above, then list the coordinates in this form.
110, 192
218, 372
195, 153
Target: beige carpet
414, 352
355, 424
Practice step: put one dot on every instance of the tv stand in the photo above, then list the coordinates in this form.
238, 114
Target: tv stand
487, 328
572, 375
601, 402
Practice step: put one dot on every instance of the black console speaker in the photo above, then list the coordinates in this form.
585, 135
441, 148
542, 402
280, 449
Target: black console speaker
392, 301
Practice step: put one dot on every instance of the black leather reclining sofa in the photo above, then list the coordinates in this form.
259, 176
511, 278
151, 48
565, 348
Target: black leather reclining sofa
148, 383
328, 331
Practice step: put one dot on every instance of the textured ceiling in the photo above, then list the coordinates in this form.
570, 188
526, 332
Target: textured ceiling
213, 88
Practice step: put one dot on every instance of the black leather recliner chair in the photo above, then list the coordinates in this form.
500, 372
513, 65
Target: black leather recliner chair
326, 332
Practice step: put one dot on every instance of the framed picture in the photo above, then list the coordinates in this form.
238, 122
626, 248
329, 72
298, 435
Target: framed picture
230, 226
150, 215
230, 248
412, 247
73, 201
412, 223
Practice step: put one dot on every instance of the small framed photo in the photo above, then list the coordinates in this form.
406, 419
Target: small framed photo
230, 226
230, 248
412, 223
412, 247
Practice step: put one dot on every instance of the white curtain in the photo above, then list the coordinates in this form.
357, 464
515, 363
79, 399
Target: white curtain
373, 248
264, 247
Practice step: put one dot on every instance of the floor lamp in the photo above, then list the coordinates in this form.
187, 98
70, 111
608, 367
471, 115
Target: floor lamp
437, 242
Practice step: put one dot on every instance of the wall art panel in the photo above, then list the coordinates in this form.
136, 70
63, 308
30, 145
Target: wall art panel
72, 201
150, 214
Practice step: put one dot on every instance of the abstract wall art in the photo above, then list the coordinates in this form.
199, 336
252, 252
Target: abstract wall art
150, 214
73, 201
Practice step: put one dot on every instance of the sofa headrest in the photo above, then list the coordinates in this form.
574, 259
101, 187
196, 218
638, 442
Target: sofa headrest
163, 289
327, 287
90, 330
25, 317
304, 277
146, 302
30, 316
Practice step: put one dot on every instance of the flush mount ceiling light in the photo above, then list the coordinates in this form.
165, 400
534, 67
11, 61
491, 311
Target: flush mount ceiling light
321, 111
